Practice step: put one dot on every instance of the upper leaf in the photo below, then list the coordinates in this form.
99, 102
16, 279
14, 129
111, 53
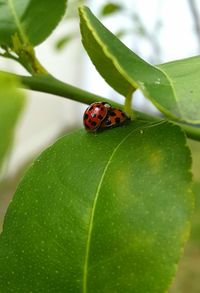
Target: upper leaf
101, 57
11, 104
30, 19
100, 213
124, 71
185, 77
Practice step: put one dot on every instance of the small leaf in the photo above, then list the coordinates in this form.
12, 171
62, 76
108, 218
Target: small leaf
100, 213
110, 8
125, 71
30, 19
11, 105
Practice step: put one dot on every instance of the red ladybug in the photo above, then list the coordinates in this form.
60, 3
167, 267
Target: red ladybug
94, 115
114, 118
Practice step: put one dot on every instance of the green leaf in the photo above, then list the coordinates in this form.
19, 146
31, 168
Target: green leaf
105, 212
185, 77
112, 58
124, 71
110, 8
102, 58
11, 105
30, 19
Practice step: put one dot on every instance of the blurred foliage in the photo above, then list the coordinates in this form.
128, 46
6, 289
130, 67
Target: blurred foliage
195, 232
9, 114
110, 8
187, 279
64, 40
71, 15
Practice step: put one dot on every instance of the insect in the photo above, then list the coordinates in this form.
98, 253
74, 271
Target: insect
99, 116
114, 118
94, 115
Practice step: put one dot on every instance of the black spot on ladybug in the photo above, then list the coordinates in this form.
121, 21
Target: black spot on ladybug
93, 123
85, 116
111, 113
102, 108
117, 120
107, 122
93, 115
90, 120
100, 117
123, 115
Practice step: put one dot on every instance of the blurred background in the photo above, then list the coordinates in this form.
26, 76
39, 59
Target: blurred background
157, 30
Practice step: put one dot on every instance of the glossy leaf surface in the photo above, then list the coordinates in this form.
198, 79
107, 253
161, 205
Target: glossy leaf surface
34, 19
166, 86
105, 212
11, 104
102, 58
185, 77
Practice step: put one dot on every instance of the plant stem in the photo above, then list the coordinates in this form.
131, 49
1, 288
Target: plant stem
26, 56
9, 56
28, 60
128, 105
51, 85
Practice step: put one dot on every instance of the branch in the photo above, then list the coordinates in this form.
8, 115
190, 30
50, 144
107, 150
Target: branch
51, 85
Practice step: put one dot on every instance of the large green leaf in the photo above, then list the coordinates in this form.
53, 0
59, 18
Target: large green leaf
105, 212
11, 104
34, 19
124, 70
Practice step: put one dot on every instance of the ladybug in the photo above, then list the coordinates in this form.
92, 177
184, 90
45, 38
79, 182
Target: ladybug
114, 118
94, 115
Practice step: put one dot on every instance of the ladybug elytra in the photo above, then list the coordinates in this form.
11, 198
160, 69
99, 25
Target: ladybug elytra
94, 115
115, 117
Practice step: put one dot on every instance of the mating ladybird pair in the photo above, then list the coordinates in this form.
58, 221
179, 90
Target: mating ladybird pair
102, 115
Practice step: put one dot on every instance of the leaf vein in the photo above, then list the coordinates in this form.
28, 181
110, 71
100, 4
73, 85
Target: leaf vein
88, 244
16, 19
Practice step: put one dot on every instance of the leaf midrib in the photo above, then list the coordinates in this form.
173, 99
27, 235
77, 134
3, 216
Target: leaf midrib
16, 19
85, 270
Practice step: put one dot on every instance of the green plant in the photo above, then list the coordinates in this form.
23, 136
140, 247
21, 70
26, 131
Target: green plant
109, 212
